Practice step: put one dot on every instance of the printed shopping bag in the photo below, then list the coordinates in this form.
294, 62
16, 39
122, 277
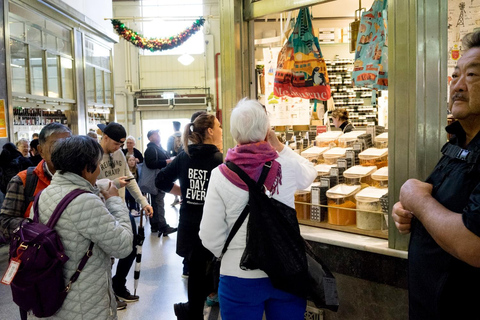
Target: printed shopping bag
371, 55
301, 70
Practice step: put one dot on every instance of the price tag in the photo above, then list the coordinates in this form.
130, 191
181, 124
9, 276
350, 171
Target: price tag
11, 271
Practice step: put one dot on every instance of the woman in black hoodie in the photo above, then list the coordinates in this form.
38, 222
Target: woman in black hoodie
193, 167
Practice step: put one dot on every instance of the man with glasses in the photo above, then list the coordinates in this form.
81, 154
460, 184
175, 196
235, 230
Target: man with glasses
114, 167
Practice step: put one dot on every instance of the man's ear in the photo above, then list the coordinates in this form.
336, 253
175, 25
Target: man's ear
40, 150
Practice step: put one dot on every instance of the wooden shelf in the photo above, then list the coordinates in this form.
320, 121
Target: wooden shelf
350, 229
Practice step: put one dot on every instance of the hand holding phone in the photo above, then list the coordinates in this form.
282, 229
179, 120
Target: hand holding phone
130, 178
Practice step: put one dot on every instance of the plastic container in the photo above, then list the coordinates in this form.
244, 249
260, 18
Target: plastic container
340, 198
359, 175
368, 200
328, 139
349, 138
380, 178
331, 156
323, 170
303, 210
381, 141
314, 154
374, 157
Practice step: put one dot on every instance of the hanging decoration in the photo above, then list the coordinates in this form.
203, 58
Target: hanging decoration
156, 44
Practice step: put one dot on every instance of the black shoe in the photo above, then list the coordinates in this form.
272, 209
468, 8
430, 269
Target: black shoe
127, 296
167, 231
120, 304
153, 230
181, 310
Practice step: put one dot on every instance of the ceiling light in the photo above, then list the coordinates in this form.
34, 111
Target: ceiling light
185, 59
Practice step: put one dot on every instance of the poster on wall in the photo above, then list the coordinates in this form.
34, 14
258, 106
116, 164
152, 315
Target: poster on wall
3, 120
285, 110
463, 18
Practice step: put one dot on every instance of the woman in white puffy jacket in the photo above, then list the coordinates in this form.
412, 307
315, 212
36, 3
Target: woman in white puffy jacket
247, 294
87, 218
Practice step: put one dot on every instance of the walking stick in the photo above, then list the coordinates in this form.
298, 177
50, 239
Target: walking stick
139, 239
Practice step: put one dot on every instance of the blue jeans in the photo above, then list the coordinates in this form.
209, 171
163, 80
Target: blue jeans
242, 299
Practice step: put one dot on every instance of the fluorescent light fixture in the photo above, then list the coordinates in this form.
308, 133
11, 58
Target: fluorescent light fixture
15, 65
185, 59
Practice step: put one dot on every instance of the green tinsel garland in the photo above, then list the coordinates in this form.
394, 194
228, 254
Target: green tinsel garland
156, 44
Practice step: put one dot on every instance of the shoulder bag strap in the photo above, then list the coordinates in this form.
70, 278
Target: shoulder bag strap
62, 205
30, 185
246, 210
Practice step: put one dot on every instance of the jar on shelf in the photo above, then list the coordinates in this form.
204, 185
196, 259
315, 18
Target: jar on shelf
374, 157
359, 176
303, 210
331, 156
347, 139
328, 139
380, 178
381, 141
323, 170
314, 154
369, 214
340, 199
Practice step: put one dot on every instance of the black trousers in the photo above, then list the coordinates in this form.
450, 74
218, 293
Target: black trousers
200, 285
124, 265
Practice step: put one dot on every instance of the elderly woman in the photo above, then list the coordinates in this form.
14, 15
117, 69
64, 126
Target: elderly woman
24, 147
87, 218
340, 120
131, 150
246, 294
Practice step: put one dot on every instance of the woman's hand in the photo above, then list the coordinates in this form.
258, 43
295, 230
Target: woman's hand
112, 191
273, 140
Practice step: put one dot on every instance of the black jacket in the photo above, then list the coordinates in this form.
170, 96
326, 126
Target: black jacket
136, 153
440, 285
155, 156
194, 174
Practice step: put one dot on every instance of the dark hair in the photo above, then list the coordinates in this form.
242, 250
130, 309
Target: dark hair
471, 40
176, 125
75, 154
340, 113
50, 129
196, 114
195, 131
34, 144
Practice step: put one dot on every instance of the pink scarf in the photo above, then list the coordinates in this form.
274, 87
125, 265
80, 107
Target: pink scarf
251, 158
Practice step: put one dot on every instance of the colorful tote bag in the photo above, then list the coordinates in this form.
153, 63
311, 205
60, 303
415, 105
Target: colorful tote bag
301, 70
371, 55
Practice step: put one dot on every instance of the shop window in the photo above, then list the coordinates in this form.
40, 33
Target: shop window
98, 75
36, 70
18, 64
17, 29
66, 69
52, 75
34, 36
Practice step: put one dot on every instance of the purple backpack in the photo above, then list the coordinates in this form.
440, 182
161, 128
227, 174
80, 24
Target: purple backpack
39, 285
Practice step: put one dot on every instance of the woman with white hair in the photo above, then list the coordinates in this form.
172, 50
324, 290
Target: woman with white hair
247, 294
131, 150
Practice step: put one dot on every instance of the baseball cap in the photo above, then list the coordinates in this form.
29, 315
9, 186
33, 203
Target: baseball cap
151, 132
113, 130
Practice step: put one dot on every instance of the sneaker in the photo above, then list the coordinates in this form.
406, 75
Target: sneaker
120, 304
213, 300
167, 231
125, 295
185, 275
135, 213
181, 310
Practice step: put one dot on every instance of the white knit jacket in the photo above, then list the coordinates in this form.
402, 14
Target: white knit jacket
225, 202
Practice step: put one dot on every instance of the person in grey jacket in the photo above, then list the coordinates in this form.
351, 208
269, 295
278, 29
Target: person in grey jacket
87, 218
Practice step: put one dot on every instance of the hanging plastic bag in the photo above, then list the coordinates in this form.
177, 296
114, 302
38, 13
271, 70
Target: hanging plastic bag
371, 55
301, 70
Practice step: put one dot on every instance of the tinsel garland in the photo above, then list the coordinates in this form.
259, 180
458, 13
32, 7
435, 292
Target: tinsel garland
156, 44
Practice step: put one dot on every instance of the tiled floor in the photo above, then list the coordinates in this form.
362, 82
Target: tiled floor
160, 284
